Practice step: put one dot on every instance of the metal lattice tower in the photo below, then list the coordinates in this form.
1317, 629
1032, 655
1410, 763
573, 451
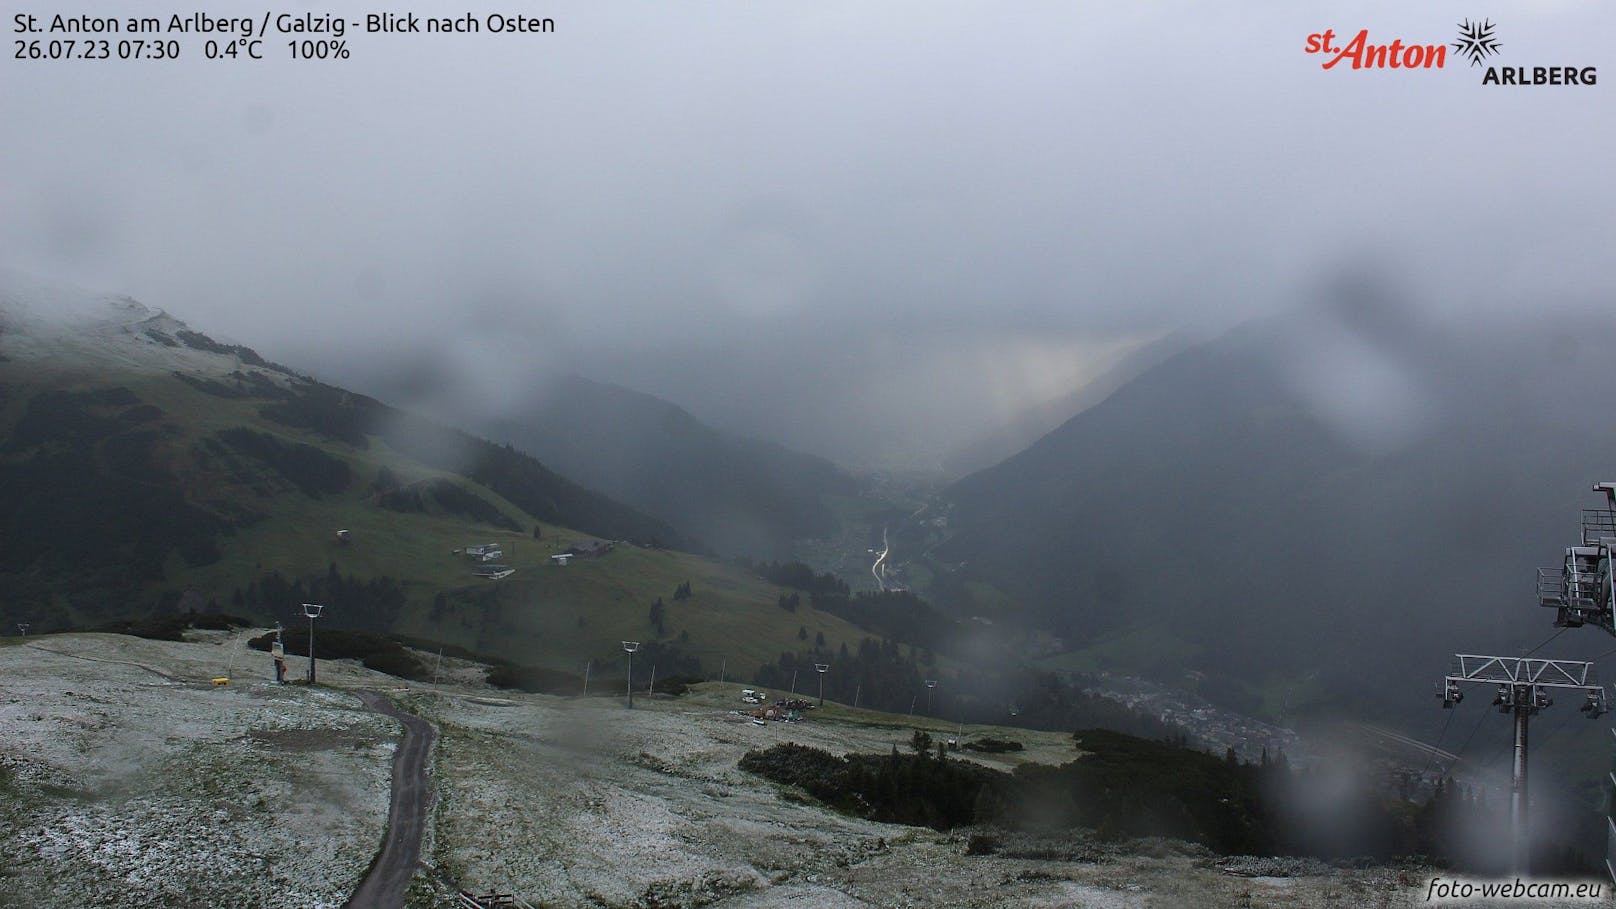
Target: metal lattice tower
1581, 592
1523, 689
1581, 589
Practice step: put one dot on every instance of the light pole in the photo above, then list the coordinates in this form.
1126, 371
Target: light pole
629, 647
930, 684
312, 610
821, 668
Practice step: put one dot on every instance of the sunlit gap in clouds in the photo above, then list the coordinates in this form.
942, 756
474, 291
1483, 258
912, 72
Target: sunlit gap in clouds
1027, 371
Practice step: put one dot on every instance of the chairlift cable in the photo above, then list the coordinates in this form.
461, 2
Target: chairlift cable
1546, 643
1459, 755
1438, 743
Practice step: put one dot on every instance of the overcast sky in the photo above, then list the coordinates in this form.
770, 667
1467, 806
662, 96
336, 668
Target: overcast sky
869, 229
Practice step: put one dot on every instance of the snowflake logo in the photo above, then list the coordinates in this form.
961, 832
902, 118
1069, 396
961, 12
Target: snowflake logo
1476, 41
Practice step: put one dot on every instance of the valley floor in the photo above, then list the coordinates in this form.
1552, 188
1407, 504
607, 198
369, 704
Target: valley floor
130, 780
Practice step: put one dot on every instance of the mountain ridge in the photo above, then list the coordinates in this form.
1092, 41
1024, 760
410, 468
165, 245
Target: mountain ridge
128, 440
738, 494
1305, 478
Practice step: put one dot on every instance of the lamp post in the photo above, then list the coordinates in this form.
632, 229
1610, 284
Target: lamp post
821, 668
930, 684
629, 647
312, 610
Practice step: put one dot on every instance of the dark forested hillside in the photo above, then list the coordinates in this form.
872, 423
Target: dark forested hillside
738, 495
140, 455
741, 495
344, 416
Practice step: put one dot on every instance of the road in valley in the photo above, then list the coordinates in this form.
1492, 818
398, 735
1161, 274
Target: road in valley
879, 569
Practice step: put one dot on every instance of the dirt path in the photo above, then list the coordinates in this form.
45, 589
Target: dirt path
387, 882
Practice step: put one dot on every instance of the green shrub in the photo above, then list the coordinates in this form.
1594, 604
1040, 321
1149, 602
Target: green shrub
380, 652
989, 745
173, 627
535, 679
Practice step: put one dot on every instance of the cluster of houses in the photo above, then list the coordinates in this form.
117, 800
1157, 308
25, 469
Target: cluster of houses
487, 556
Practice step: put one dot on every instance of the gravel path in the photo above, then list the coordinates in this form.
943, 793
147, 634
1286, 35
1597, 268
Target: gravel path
388, 880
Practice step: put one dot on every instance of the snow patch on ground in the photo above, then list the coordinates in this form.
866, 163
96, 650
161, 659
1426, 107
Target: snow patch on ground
579, 802
125, 788
44, 323
128, 780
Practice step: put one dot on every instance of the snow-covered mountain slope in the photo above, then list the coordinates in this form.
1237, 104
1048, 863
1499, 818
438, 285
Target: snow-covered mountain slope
51, 325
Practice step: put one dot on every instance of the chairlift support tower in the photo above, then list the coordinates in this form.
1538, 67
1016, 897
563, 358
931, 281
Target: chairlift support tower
1582, 591
1524, 686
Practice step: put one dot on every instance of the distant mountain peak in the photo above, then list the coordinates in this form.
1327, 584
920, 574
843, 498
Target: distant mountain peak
73, 327
30, 302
